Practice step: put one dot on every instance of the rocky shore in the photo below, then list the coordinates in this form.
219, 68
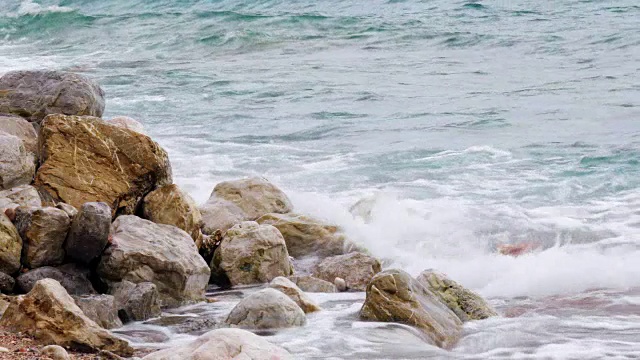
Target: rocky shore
94, 234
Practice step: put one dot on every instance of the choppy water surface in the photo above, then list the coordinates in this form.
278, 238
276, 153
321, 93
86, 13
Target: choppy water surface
472, 124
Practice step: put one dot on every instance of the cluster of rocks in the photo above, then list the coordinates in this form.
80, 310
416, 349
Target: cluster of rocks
94, 234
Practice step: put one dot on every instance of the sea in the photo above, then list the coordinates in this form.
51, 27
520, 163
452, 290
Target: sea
464, 125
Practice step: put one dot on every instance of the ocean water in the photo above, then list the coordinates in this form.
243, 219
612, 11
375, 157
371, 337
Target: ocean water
466, 125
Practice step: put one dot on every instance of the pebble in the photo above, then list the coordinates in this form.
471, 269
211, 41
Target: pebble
3, 350
55, 352
340, 284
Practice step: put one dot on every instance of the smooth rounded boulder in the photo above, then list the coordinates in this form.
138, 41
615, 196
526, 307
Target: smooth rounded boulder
84, 159
35, 94
394, 296
17, 165
43, 232
170, 205
23, 195
355, 268
49, 314
255, 196
74, 278
17, 126
466, 304
266, 309
294, 293
250, 253
142, 251
224, 344
89, 233
10, 246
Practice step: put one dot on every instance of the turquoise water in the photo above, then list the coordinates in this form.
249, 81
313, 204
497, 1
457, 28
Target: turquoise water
469, 124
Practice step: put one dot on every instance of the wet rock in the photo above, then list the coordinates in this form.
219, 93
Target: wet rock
23, 195
55, 352
85, 159
6, 283
17, 126
171, 206
89, 232
128, 123
294, 293
142, 251
10, 246
355, 268
309, 283
251, 253
189, 324
220, 215
17, 165
394, 296
70, 210
224, 344
306, 236
73, 278
35, 94
99, 308
266, 309
466, 304
43, 231
50, 315
255, 196
136, 302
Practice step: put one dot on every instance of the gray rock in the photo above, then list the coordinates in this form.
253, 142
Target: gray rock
355, 268
17, 126
99, 308
6, 283
266, 309
311, 284
10, 246
89, 232
142, 251
220, 215
35, 94
43, 231
23, 195
136, 302
69, 209
55, 352
17, 166
73, 278
251, 253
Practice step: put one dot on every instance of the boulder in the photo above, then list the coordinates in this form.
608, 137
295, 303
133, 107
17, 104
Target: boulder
23, 195
89, 232
311, 284
294, 293
220, 215
466, 304
255, 196
55, 352
223, 344
70, 210
73, 278
6, 283
10, 246
17, 165
35, 94
355, 268
394, 296
43, 231
142, 251
266, 309
136, 302
49, 314
250, 253
84, 159
171, 206
99, 308
17, 126
128, 123
306, 236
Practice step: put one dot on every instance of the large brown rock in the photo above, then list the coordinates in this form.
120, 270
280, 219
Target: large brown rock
355, 268
266, 309
171, 206
142, 251
466, 304
306, 236
17, 126
89, 232
17, 165
85, 159
35, 94
49, 314
43, 231
10, 246
224, 344
23, 195
250, 253
394, 296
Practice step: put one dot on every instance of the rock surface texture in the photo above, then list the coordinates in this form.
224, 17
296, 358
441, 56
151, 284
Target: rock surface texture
355, 268
10, 246
311, 284
89, 232
266, 309
17, 126
73, 278
171, 206
99, 308
17, 165
43, 232
294, 293
23, 195
136, 302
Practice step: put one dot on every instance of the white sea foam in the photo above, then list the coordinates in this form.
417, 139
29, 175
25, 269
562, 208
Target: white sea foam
28, 7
